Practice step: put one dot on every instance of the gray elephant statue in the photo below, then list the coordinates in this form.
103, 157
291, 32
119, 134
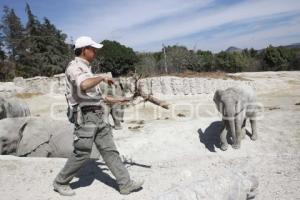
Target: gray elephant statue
37, 137
13, 108
236, 104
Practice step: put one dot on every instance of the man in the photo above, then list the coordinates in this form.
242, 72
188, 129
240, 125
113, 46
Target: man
84, 95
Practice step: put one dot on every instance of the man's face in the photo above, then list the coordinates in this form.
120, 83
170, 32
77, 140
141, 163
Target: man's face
89, 53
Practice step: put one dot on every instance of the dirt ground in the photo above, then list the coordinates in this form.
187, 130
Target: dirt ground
174, 149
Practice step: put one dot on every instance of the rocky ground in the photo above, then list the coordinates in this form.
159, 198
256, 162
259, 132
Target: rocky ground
175, 151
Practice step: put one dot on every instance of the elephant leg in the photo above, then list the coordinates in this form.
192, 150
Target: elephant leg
116, 115
107, 112
42, 151
223, 137
1, 147
122, 107
254, 129
244, 129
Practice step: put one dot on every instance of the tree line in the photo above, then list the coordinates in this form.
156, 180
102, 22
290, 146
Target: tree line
178, 59
38, 48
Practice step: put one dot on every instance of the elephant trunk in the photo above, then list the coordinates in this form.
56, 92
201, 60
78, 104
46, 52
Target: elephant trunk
232, 130
229, 112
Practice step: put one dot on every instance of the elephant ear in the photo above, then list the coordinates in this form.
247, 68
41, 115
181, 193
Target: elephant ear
61, 141
217, 99
17, 108
34, 134
2, 111
8, 108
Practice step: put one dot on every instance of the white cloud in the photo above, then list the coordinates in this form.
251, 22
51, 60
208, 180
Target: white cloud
278, 35
138, 23
198, 22
108, 20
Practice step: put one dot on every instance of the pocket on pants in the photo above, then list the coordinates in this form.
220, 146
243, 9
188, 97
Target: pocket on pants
86, 130
90, 118
84, 144
84, 137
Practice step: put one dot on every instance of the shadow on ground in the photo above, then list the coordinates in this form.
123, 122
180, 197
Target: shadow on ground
93, 170
211, 136
96, 170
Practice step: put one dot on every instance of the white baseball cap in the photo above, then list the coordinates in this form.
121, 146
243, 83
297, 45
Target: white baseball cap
85, 41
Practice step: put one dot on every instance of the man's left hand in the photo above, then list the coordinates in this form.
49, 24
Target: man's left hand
112, 100
109, 81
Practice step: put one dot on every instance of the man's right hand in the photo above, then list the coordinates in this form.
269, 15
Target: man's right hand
93, 81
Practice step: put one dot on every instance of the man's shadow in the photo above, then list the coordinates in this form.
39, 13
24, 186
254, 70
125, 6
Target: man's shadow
211, 136
93, 169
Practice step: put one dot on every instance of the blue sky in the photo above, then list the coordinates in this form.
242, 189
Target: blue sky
198, 24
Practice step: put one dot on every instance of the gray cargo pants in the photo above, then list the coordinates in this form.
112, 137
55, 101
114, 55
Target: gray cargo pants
94, 129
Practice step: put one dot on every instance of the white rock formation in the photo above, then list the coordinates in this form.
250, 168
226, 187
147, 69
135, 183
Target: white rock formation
165, 85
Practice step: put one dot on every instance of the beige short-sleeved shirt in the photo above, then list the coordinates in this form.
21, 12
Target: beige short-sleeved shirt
77, 71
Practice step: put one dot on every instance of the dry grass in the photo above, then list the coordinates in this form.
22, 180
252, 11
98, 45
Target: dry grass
272, 108
135, 127
180, 115
210, 75
27, 95
137, 122
294, 82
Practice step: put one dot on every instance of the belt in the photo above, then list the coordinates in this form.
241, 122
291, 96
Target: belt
91, 108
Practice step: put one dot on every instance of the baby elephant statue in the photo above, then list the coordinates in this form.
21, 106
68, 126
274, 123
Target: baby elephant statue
236, 104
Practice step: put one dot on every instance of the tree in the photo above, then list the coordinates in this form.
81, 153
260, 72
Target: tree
231, 61
53, 51
206, 61
7, 70
147, 65
295, 61
178, 58
2, 53
13, 33
115, 58
253, 53
39, 49
46, 51
279, 58
33, 59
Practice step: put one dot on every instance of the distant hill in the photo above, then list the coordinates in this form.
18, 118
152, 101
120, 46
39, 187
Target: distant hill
234, 49
290, 46
293, 46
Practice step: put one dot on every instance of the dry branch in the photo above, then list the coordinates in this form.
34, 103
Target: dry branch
147, 97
